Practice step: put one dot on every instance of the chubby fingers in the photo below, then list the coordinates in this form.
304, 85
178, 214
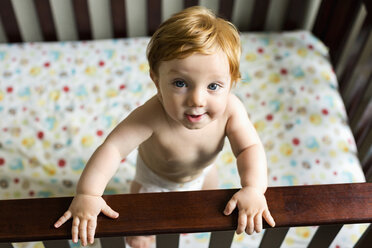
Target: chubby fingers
85, 229
258, 222
242, 223
65, 217
91, 228
269, 218
83, 232
230, 206
75, 229
249, 223
109, 212
245, 222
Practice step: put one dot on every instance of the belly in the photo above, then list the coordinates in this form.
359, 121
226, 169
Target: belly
178, 168
181, 157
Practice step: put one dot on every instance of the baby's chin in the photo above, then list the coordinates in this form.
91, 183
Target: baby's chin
196, 126
193, 127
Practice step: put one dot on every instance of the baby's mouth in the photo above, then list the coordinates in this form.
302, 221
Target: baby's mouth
194, 118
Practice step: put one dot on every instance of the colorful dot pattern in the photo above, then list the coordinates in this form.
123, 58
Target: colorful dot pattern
58, 102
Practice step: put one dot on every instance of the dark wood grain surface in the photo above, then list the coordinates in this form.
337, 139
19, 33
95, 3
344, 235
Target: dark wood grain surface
119, 18
46, 21
9, 21
153, 15
82, 19
181, 212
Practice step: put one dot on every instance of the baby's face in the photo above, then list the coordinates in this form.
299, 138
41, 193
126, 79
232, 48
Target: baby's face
194, 91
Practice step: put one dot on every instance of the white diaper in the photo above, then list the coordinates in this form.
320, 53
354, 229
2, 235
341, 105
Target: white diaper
153, 183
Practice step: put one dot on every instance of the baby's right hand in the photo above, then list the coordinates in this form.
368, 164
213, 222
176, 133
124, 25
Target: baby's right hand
84, 210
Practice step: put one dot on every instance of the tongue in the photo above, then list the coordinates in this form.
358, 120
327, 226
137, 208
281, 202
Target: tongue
193, 118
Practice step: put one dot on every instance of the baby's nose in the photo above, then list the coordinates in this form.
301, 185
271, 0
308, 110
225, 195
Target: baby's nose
196, 99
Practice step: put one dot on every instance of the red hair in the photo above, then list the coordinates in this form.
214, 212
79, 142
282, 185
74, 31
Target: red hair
195, 30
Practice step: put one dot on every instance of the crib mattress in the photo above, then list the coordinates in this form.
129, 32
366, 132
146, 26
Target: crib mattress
58, 101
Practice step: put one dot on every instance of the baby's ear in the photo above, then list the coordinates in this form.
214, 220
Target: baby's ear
154, 78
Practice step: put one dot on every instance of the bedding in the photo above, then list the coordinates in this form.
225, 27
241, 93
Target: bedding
58, 101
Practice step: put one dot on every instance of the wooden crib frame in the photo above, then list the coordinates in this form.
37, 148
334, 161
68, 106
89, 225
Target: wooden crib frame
348, 35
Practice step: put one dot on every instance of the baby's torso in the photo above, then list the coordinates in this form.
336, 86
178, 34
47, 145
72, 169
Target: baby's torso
180, 154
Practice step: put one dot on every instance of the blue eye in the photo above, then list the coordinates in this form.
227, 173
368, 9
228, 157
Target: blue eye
179, 84
213, 86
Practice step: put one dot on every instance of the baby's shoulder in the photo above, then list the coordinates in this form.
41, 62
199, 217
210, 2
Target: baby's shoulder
151, 113
150, 110
234, 105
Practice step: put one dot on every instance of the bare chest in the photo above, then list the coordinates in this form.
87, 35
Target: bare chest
187, 147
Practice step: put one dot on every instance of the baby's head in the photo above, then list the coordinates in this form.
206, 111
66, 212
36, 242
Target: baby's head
195, 30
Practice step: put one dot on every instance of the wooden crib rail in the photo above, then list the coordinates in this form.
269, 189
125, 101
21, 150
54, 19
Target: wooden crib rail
183, 212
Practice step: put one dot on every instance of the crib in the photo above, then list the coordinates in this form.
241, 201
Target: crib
27, 213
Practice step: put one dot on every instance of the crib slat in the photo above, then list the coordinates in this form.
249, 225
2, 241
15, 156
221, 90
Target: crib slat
295, 14
358, 105
56, 244
9, 21
367, 163
153, 15
273, 237
368, 168
324, 236
46, 20
322, 19
333, 24
352, 60
225, 9
190, 3
340, 27
368, 5
6, 245
362, 79
258, 17
117, 242
167, 240
221, 239
119, 21
82, 19
355, 85
366, 240
364, 131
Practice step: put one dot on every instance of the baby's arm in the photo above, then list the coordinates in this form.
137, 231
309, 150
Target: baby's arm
88, 203
251, 162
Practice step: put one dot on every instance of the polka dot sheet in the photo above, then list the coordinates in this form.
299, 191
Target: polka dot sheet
58, 101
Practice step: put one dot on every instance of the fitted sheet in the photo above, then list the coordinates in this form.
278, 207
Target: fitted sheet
58, 101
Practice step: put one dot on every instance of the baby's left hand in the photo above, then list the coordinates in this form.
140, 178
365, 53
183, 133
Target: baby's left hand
252, 207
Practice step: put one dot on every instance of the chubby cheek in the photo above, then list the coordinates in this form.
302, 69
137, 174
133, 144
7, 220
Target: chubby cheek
217, 107
215, 113
173, 105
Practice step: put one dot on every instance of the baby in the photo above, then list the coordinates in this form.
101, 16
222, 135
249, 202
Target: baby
194, 62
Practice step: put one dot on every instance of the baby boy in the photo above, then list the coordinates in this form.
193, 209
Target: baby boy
194, 62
